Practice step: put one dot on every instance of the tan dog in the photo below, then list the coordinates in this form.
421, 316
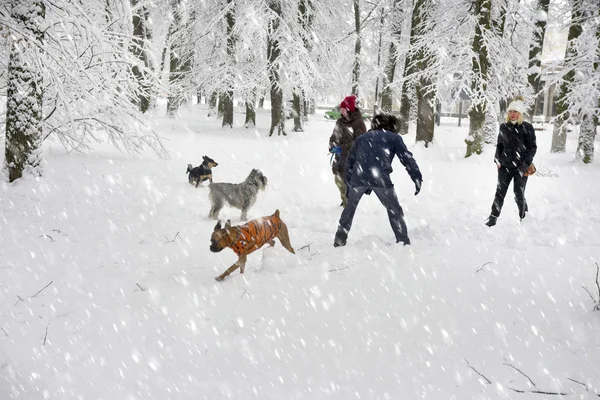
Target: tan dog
245, 239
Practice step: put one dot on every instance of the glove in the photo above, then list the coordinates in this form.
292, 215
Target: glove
335, 150
418, 183
530, 170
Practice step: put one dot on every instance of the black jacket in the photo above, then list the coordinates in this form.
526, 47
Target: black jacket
516, 146
370, 160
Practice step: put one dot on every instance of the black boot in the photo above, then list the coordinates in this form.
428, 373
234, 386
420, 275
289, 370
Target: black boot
491, 221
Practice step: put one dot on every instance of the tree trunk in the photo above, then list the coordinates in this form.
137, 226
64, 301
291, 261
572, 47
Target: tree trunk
138, 48
587, 136
174, 98
250, 114
357, 47
212, 103
273, 65
227, 109
477, 114
425, 113
559, 135
426, 91
535, 55
23, 143
387, 100
408, 88
297, 112
228, 95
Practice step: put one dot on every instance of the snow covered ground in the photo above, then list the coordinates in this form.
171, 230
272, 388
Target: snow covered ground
107, 289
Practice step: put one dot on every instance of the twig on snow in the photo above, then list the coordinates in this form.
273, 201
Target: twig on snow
306, 246
522, 373
539, 392
581, 383
340, 269
47, 236
176, 236
597, 306
478, 373
42, 289
4, 331
483, 266
143, 289
46, 335
19, 299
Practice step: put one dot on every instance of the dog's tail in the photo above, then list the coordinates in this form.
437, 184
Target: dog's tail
189, 168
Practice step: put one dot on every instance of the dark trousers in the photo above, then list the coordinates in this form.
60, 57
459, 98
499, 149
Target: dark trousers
505, 176
388, 198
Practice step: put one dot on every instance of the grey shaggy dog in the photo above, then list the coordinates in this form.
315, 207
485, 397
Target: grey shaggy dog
239, 195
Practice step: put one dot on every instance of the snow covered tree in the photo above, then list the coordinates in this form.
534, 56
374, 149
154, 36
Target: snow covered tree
24, 92
274, 65
387, 91
227, 95
585, 98
563, 112
410, 68
479, 104
180, 54
139, 47
535, 52
357, 49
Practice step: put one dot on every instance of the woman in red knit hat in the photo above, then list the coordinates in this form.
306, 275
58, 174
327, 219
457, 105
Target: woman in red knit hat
347, 128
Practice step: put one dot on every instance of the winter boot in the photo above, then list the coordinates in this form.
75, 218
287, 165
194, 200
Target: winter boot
491, 221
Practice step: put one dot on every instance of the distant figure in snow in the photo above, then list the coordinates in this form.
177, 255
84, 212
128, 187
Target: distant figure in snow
347, 128
368, 168
514, 159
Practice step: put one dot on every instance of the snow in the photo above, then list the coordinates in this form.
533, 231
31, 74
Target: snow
107, 286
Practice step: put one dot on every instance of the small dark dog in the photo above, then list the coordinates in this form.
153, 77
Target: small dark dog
239, 195
245, 239
202, 172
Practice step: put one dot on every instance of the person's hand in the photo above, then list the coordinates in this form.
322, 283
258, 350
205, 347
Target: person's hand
335, 150
418, 183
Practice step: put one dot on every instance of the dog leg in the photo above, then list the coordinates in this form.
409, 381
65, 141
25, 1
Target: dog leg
214, 211
240, 263
271, 243
284, 237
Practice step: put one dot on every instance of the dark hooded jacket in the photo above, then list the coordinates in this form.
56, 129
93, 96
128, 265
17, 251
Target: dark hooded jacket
345, 132
516, 146
370, 160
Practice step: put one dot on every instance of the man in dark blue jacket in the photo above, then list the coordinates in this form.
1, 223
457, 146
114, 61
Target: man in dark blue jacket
368, 168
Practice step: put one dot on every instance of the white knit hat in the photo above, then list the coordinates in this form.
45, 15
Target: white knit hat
517, 105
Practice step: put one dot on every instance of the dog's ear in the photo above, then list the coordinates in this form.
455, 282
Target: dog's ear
227, 224
218, 226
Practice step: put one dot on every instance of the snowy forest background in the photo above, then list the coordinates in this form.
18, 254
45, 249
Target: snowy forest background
78, 71
107, 285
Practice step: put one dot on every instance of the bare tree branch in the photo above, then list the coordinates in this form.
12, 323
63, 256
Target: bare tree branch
42, 289
522, 373
481, 268
478, 373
